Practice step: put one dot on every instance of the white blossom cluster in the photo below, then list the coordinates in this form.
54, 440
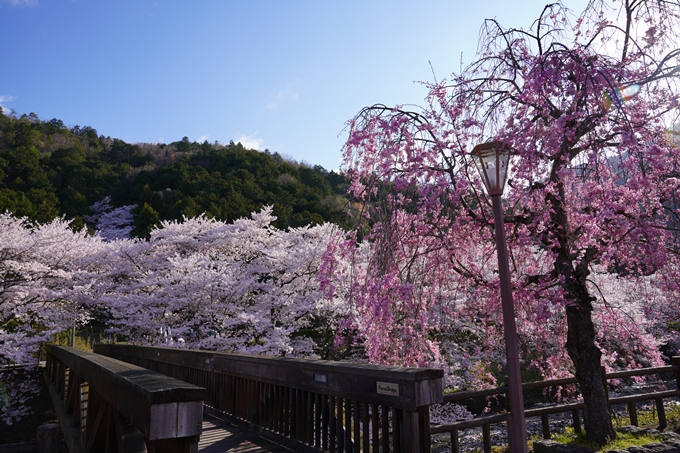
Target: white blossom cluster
200, 283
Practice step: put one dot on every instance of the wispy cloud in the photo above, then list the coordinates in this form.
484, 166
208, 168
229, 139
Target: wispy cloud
282, 96
203, 138
29, 3
4, 99
250, 141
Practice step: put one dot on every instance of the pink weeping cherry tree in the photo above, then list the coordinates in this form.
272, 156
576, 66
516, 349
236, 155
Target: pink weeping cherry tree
583, 101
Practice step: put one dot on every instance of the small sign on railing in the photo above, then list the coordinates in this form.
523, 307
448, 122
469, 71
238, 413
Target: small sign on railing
321, 378
388, 388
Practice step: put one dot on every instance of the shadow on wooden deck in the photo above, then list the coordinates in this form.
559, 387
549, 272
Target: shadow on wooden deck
221, 437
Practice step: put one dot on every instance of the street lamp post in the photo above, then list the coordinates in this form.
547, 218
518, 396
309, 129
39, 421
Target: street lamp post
492, 161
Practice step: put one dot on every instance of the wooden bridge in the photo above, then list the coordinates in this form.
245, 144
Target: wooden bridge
149, 399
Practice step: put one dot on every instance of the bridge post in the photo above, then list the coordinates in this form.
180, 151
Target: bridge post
129, 408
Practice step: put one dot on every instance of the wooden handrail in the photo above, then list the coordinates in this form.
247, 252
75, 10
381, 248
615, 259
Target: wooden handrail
543, 412
307, 405
642, 371
166, 412
460, 396
473, 423
643, 397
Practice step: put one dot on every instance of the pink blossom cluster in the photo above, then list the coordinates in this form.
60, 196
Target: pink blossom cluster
592, 205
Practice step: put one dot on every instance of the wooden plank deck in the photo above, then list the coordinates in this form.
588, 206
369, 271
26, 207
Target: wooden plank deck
221, 437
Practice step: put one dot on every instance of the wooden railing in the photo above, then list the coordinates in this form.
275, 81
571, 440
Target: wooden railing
105, 404
307, 405
573, 408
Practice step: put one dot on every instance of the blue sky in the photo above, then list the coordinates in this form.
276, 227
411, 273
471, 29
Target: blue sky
281, 75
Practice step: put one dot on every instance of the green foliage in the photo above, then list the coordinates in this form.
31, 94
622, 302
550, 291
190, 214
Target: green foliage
145, 221
82, 342
48, 170
649, 416
623, 440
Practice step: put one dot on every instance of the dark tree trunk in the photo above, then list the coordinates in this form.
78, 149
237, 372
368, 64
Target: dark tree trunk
580, 327
586, 357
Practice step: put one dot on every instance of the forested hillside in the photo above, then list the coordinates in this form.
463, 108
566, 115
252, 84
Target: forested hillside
49, 170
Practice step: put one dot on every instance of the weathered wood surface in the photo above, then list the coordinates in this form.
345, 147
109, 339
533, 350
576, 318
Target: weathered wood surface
417, 386
111, 402
219, 437
306, 405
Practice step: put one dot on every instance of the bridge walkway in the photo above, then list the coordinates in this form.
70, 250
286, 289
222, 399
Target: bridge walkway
221, 437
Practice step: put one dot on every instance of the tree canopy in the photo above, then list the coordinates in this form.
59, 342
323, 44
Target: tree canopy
253, 289
49, 170
584, 102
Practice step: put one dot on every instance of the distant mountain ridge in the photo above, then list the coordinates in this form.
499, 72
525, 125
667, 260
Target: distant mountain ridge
48, 170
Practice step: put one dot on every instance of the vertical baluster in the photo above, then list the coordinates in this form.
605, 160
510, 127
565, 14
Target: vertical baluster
339, 403
300, 411
240, 394
365, 430
333, 424
268, 406
256, 411
67, 383
286, 411
252, 401
486, 436
303, 416
356, 413
273, 408
375, 425
235, 396
84, 398
294, 414
262, 405
280, 409
53, 370
662, 414
244, 398
219, 389
212, 387
348, 426
675, 361
424, 428
632, 411
455, 442
60, 377
545, 422
397, 422
94, 428
318, 414
233, 391
385, 428
309, 417
48, 366
325, 417
69, 394
576, 417
228, 396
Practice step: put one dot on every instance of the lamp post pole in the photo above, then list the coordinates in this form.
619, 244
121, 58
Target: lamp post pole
517, 434
492, 161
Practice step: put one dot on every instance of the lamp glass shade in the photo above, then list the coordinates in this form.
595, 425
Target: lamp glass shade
492, 160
